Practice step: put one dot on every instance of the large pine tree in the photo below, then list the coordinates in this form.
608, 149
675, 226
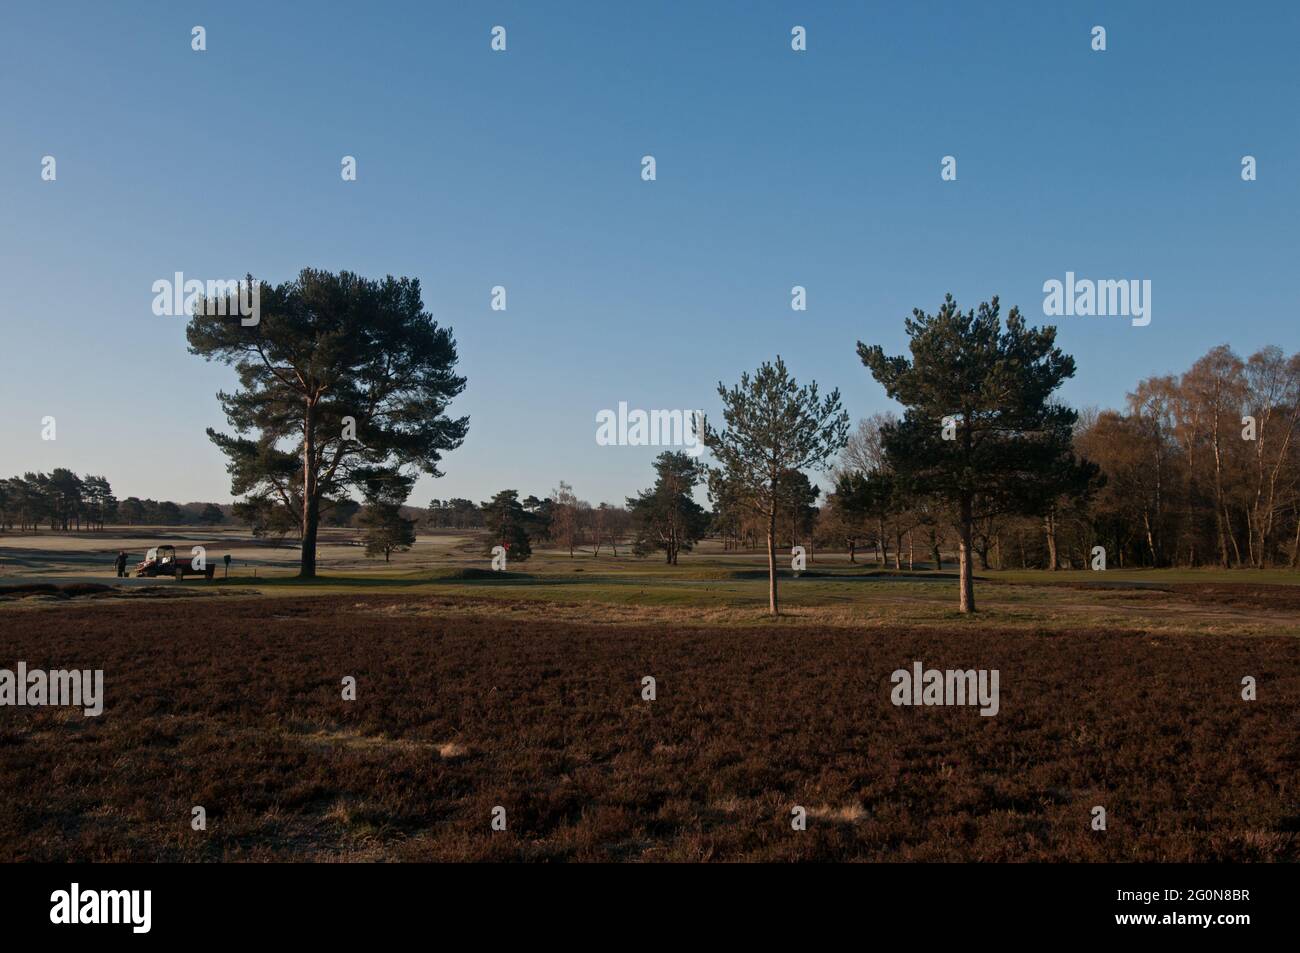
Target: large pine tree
1006, 446
329, 347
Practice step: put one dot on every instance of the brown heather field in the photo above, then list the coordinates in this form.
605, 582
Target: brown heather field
234, 703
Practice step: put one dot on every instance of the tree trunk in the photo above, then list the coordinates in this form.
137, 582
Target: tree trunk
771, 564
1049, 525
965, 574
311, 517
1151, 540
310, 503
1232, 536
1220, 530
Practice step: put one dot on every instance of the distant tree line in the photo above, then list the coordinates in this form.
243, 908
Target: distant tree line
63, 501
60, 500
1202, 469
561, 520
454, 514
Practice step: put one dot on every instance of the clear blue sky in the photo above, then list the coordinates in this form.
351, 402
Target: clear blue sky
522, 169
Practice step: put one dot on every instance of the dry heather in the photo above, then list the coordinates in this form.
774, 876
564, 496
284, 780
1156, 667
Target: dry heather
234, 704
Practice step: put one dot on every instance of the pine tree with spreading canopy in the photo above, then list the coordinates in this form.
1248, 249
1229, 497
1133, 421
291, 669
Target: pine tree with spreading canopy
329, 347
1011, 450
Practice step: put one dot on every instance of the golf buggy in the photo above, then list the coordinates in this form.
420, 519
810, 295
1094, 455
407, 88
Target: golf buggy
162, 561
